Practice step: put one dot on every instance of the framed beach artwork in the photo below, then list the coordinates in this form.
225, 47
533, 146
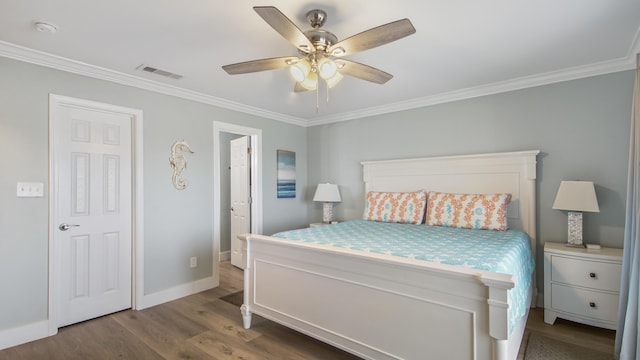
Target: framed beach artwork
286, 174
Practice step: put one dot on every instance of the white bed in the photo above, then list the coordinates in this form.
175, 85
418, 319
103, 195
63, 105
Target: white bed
413, 309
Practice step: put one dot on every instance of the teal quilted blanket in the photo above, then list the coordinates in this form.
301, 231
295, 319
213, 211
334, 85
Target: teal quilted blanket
507, 252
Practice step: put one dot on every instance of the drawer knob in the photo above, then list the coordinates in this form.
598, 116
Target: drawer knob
592, 304
592, 275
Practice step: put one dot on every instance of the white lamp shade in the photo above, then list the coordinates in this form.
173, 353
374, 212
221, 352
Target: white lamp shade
310, 82
576, 196
327, 193
300, 70
327, 68
334, 80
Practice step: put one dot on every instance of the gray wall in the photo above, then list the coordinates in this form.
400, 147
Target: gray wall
178, 224
581, 127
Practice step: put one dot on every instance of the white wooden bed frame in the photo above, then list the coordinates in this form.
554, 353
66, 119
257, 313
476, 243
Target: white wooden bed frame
382, 307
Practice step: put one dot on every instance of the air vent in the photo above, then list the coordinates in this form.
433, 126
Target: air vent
157, 71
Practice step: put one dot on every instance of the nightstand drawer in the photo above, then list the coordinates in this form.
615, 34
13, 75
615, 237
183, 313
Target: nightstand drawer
591, 304
586, 273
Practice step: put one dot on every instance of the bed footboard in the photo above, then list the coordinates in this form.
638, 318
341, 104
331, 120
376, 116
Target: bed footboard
376, 306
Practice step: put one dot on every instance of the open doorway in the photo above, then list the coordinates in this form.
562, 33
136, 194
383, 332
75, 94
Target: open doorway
223, 135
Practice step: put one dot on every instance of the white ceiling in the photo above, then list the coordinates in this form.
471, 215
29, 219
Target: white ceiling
460, 49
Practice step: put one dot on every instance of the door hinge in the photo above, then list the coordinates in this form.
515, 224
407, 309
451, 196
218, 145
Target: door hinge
249, 151
249, 200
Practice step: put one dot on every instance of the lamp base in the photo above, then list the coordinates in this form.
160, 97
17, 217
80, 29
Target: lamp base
327, 212
575, 245
574, 227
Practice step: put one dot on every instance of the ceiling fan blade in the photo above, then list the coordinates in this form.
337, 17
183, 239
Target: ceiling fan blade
285, 27
364, 72
258, 65
371, 38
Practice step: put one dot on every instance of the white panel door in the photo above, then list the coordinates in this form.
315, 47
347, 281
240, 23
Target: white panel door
92, 159
240, 208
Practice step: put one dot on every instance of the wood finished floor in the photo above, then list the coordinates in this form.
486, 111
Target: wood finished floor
202, 326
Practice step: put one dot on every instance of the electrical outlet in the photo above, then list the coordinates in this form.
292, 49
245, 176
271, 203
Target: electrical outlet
193, 262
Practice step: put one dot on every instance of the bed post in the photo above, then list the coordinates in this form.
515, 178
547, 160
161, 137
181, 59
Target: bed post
498, 314
245, 310
531, 176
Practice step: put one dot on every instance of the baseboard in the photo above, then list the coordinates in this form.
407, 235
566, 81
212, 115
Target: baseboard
225, 255
176, 292
38, 330
23, 334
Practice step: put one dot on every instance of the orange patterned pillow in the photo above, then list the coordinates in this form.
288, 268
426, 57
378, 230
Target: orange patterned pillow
398, 207
469, 211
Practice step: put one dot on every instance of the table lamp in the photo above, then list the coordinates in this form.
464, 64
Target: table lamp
576, 197
328, 194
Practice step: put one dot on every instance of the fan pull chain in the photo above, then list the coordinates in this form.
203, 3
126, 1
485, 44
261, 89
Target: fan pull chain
327, 86
317, 97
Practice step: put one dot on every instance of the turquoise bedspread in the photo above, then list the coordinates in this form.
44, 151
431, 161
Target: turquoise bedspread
507, 252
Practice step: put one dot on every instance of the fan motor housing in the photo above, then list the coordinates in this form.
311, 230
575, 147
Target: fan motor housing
321, 39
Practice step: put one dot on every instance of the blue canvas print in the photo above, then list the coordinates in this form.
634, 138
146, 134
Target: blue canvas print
286, 174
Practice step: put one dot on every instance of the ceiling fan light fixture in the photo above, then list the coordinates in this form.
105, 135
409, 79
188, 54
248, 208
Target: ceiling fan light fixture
327, 68
334, 80
339, 51
310, 82
300, 70
320, 51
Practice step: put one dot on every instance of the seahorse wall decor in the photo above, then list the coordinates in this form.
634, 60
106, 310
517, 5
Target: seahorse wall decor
179, 163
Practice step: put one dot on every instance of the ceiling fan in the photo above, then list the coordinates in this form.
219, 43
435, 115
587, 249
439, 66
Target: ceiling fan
320, 51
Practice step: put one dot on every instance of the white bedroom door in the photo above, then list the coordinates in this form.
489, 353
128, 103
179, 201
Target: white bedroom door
240, 199
92, 189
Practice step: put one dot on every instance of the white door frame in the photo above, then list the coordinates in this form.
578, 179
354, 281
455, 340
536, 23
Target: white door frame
137, 221
256, 179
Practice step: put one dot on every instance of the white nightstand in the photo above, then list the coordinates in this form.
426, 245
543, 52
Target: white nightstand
582, 285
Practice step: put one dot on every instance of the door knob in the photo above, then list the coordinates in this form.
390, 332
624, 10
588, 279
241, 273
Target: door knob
65, 227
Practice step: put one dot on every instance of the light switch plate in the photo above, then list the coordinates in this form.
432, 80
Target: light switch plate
30, 189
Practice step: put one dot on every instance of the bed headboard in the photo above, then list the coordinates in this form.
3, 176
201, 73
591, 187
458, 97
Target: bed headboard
509, 172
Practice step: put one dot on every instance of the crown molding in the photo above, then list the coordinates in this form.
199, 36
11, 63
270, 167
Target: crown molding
605, 67
24, 54
36, 57
573, 73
